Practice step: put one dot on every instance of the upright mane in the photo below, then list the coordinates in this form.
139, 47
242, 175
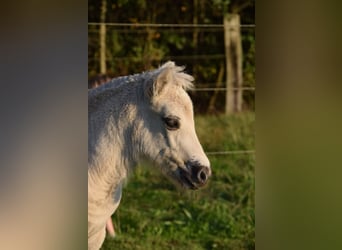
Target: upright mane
124, 83
181, 78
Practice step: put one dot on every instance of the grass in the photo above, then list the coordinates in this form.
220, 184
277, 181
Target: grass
154, 214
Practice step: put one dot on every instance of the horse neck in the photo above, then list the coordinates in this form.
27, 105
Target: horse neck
112, 151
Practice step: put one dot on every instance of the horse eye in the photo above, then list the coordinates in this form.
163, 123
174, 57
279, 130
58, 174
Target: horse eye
172, 122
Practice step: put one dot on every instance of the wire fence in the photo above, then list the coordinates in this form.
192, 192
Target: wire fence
224, 89
190, 27
233, 152
185, 57
169, 25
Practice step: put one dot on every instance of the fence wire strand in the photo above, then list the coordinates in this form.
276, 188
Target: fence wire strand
225, 89
169, 25
231, 152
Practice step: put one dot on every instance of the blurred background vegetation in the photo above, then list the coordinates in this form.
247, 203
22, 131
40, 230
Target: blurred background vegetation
133, 49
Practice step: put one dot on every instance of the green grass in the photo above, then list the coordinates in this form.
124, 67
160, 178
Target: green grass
154, 214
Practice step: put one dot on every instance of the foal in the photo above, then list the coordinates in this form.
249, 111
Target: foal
146, 115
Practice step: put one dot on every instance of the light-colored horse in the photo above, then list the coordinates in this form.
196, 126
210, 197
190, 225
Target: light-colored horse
146, 115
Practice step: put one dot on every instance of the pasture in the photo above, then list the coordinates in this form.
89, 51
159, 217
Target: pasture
154, 214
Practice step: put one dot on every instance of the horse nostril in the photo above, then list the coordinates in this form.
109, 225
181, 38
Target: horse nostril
202, 176
199, 173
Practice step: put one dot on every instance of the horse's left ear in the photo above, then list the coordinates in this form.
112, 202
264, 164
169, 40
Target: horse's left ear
158, 84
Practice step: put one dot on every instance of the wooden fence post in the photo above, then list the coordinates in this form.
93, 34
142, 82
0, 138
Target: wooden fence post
102, 34
233, 48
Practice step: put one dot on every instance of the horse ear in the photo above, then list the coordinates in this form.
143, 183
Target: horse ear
164, 77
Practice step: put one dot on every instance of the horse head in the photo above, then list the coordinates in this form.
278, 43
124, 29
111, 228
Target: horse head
167, 130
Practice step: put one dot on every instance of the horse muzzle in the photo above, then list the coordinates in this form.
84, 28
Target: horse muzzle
195, 175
